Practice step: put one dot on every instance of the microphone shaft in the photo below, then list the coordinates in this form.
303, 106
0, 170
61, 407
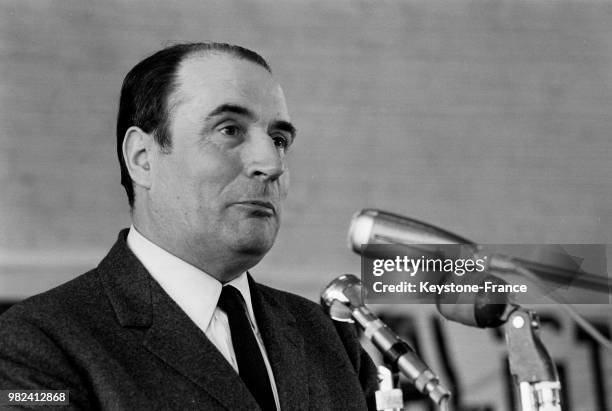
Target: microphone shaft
399, 354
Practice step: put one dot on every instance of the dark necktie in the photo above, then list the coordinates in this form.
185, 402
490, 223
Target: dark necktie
251, 366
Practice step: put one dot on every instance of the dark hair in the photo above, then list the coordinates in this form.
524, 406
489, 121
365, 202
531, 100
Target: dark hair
145, 91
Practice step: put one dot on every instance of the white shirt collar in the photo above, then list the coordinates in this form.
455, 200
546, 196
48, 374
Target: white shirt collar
195, 291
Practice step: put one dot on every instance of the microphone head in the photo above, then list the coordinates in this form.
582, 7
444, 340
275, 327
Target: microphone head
341, 296
370, 226
345, 289
361, 229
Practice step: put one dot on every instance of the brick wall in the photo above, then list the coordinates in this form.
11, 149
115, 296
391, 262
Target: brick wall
489, 118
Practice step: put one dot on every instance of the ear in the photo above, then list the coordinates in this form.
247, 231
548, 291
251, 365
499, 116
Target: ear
138, 155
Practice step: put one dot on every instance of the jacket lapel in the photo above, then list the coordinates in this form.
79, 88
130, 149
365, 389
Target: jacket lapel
139, 301
284, 346
175, 339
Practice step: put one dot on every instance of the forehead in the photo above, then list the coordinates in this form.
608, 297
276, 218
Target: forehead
211, 79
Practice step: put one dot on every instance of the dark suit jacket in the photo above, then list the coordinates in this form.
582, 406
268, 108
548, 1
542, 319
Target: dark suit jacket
117, 341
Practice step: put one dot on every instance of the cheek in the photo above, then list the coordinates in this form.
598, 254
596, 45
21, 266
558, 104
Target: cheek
213, 179
216, 171
172, 181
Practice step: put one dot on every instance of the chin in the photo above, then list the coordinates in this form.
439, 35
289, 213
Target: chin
251, 236
256, 247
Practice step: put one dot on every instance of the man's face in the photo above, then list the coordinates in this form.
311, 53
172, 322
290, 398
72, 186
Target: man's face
217, 194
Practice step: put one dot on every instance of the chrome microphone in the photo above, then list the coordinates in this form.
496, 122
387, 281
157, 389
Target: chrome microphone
414, 238
370, 226
343, 298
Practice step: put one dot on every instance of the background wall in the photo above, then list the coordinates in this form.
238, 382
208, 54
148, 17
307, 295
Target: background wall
491, 119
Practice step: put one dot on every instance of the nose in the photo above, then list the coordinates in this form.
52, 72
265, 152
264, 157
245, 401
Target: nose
262, 159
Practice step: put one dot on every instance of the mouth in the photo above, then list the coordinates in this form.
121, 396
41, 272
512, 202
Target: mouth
264, 208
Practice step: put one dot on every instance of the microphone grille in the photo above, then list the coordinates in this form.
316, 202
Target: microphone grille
360, 230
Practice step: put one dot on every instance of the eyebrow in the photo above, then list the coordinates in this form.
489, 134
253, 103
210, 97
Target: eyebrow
286, 126
243, 111
230, 108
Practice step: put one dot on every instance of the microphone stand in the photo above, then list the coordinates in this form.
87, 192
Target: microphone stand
388, 397
530, 364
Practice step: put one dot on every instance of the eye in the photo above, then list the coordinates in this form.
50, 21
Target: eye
280, 141
231, 130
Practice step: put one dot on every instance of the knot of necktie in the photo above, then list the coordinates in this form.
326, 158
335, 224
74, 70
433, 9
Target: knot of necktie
231, 300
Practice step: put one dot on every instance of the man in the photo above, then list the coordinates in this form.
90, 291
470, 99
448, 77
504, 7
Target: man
170, 319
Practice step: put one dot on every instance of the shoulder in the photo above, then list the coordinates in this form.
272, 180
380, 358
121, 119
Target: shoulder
64, 301
79, 301
40, 329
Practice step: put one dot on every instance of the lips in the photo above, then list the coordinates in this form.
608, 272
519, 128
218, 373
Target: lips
259, 205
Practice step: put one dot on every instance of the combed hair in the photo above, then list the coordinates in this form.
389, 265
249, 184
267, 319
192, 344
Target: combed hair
146, 88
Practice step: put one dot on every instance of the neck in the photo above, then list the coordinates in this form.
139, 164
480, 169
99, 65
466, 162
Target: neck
222, 264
